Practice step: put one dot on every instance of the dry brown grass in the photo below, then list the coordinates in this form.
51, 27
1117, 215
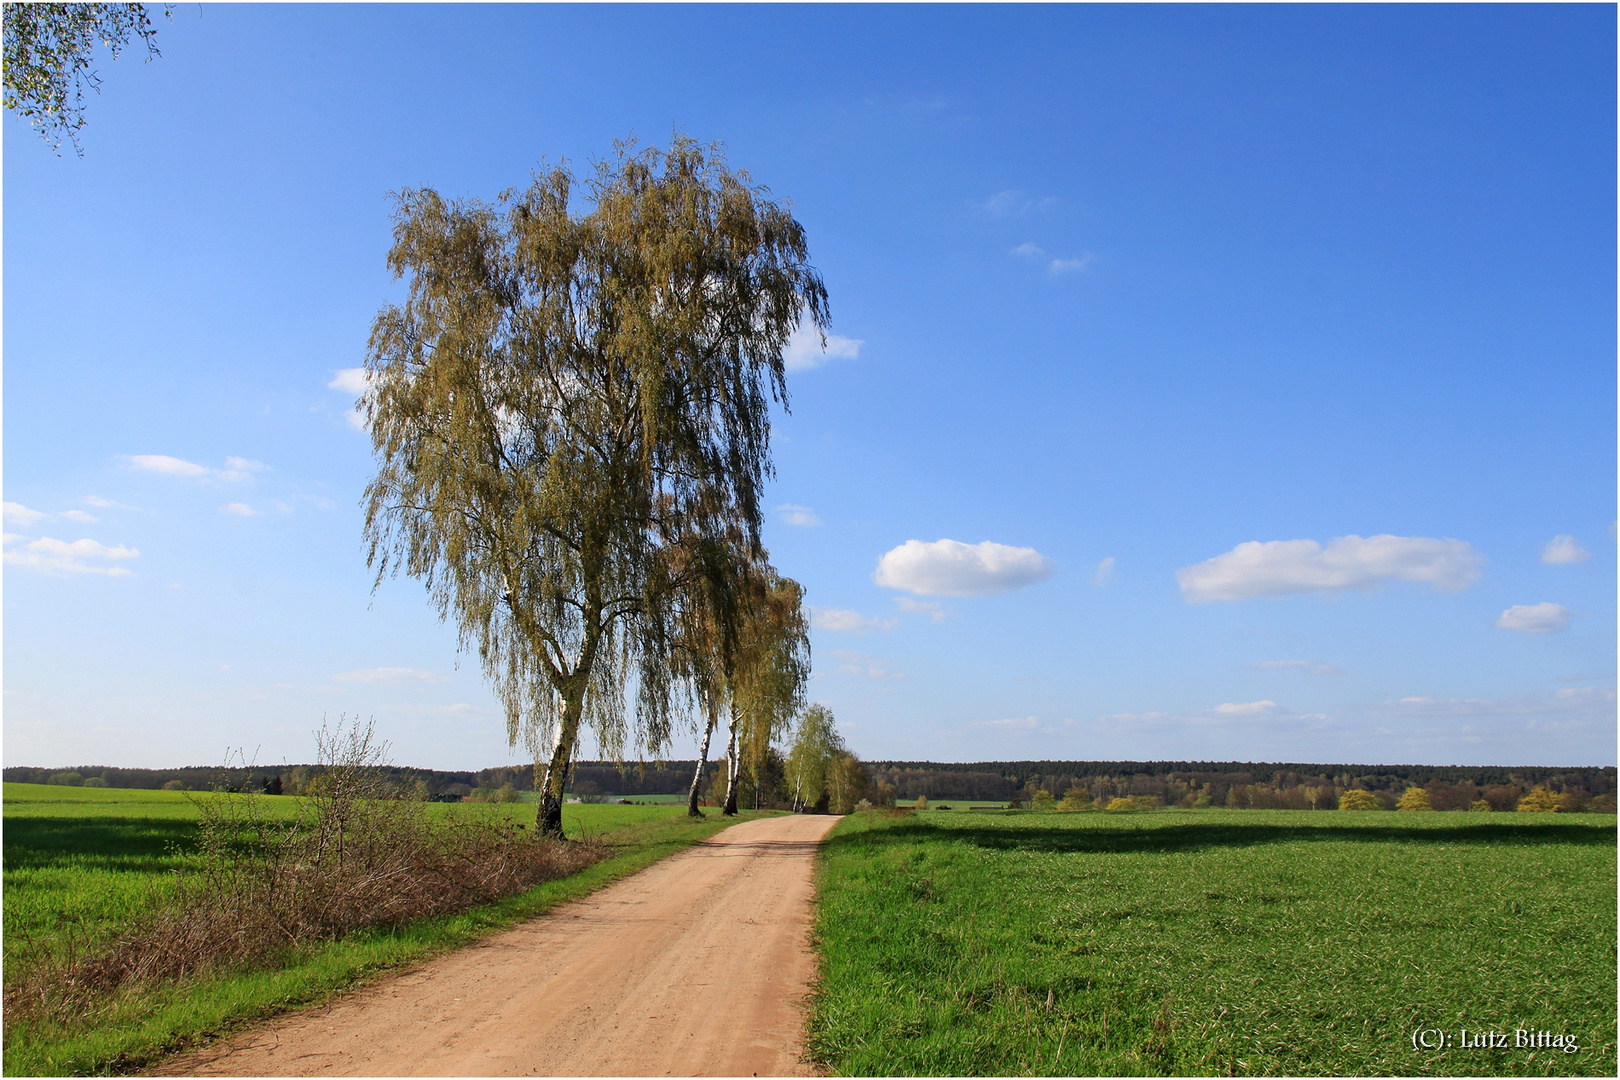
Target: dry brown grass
354, 857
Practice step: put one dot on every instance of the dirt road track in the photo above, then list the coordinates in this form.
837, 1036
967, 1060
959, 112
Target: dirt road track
697, 965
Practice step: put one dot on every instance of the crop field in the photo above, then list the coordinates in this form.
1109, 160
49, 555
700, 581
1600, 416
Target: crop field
80, 863
1216, 942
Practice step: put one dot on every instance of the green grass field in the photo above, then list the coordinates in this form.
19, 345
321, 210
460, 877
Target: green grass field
1214, 942
81, 862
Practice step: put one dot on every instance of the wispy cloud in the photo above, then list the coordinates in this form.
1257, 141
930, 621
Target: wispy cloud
870, 667
1283, 567
845, 621
937, 612
952, 568
1104, 571
1308, 667
1007, 204
61, 557
239, 509
805, 350
1011, 723
1053, 264
236, 469
390, 675
1573, 703
22, 516
1548, 618
794, 514
1563, 550
1247, 708
351, 381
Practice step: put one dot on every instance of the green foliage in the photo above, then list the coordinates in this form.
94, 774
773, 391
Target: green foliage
1479, 806
572, 401
1538, 800
921, 803
1356, 799
816, 746
1042, 801
47, 59
1211, 943
1414, 798
67, 779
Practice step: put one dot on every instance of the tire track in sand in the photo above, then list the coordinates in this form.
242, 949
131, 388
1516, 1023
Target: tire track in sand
697, 965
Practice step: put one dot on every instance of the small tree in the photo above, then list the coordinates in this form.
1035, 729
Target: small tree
1414, 798
1480, 806
1078, 797
1042, 801
567, 403
921, 803
1538, 800
816, 743
1357, 799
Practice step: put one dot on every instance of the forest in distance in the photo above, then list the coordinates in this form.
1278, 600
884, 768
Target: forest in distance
1246, 785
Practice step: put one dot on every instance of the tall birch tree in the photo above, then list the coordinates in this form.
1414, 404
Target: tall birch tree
575, 391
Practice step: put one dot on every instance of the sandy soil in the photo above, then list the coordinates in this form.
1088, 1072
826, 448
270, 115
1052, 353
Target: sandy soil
697, 965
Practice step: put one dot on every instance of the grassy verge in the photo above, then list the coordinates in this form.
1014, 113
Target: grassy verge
80, 862
1215, 942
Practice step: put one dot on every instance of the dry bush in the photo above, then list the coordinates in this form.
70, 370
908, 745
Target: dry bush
354, 857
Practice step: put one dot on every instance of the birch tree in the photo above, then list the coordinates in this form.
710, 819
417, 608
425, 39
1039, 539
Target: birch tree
766, 679
575, 390
816, 743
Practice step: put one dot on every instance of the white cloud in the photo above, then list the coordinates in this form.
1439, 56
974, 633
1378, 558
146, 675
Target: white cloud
1562, 550
18, 514
1309, 667
350, 380
50, 556
389, 675
937, 612
1545, 618
236, 468
1012, 723
952, 568
1013, 204
1063, 266
804, 349
1028, 251
794, 514
239, 509
1105, 570
1246, 708
1281, 567
871, 667
1582, 702
844, 621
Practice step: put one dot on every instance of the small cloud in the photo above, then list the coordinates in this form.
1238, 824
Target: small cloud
805, 349
1283, 567
1105, 570
389, 675
844, 621
1246, 708
937, 612
1013, 204
349, 380
1029, 251
80, 516
1064, 266
1309, 667
18, 514
794, 514
239, 509
59, 557
871, 667
1018, 723
1563, 550
236, 468
98, 501
1546, 618
952, 568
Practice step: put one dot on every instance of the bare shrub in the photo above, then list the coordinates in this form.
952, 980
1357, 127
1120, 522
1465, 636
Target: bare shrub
354, 856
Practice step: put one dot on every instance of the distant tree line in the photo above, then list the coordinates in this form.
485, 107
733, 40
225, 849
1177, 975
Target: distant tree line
1245, 785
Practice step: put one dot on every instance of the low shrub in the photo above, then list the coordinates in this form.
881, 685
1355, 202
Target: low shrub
1357, 799
1414, 798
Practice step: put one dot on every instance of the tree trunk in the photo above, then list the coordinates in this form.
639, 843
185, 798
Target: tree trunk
733, 772
703, 760
549, 819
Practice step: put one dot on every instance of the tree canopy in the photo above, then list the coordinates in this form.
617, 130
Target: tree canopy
47, 59
572, 400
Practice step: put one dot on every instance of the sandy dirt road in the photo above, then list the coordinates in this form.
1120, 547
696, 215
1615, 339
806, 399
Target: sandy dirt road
697, 965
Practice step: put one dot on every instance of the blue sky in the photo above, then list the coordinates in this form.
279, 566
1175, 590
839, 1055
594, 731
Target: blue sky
1207, 382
